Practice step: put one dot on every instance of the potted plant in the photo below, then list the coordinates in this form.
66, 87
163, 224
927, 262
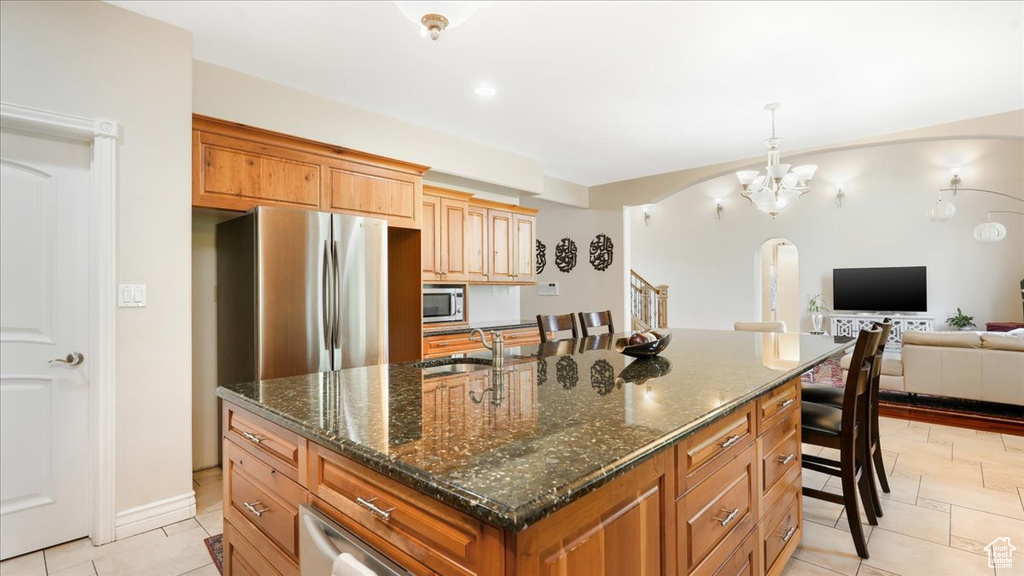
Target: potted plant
960, 321
816, 306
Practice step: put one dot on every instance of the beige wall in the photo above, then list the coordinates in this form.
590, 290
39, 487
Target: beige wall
92, 59
583, 289
224, 93
711, 264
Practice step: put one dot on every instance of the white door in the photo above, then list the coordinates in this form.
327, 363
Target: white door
44, 315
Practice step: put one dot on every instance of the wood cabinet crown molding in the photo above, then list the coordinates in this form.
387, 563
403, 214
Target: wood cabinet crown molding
246, 132
514, 208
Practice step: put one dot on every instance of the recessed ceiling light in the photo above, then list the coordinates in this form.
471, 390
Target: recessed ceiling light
485, 90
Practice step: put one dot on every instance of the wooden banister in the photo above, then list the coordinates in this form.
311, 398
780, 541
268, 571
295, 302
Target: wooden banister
648, 303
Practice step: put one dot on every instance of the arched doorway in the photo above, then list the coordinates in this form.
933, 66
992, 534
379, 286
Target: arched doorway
779, 273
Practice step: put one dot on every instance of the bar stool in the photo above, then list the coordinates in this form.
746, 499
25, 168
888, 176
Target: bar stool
596, 320
554, 323
842, 429
832, 396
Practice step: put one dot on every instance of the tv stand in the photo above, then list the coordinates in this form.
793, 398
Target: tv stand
851, 325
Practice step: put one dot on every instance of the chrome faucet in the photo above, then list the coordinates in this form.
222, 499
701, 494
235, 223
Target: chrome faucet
497, 346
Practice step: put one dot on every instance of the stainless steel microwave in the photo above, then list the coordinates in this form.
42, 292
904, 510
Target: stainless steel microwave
444, 304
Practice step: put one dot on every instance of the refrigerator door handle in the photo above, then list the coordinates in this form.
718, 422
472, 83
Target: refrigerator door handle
336, 323
325, 297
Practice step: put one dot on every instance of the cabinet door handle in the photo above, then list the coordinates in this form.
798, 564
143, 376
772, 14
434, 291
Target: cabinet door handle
257, 512
731, 515
787, 459
254, 438
384, 515
729, 441
784, 405
789, 534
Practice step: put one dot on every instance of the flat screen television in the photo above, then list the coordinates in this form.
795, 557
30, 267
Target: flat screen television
902, 289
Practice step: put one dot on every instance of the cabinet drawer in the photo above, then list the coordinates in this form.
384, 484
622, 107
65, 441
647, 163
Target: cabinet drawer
241, 557
745, 560
780, 532
707, 450
449, 344
719, 512
521, 336
281, 449
780, 452
443, 539
274, 516
777, 404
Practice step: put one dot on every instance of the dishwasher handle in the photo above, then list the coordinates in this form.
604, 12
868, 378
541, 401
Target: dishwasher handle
321, 532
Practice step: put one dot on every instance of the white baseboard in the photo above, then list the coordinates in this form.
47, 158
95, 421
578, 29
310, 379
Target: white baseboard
154, 515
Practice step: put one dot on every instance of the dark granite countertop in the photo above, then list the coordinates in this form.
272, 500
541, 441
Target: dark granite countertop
558, 421
485, 326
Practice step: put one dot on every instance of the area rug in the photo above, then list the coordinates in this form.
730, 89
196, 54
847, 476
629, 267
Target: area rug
828, 372
215, 546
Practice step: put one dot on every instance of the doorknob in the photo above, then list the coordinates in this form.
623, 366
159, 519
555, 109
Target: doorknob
72, 359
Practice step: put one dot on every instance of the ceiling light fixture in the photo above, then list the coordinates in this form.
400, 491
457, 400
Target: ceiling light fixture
485, 90
436, 17
777, 190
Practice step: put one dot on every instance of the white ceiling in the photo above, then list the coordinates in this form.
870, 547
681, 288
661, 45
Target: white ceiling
606, 91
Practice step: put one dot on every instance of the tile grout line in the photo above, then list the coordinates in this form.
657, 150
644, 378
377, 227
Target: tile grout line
95, 570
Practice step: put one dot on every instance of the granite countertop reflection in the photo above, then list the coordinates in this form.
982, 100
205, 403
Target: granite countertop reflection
556, 422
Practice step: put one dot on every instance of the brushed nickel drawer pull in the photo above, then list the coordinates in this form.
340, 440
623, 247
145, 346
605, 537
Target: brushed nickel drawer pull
729, 441
254, 438
785, 404
789, 534
384, 515
257, 512
731, 516
787, 459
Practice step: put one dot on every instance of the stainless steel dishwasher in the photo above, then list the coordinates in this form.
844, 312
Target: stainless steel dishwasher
327, 549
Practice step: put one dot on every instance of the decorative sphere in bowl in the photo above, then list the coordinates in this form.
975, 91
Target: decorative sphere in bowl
649, 344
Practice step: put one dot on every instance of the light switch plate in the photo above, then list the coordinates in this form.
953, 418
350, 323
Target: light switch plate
131, 295
547, 288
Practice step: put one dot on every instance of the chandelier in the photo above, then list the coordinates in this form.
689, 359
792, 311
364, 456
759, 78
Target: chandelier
780, 187
436, 17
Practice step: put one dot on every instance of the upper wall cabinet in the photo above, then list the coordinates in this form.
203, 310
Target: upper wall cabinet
236, 167
445, 218
476, 241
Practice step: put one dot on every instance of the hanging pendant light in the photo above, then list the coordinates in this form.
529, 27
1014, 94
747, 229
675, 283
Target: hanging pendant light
989, 232
941, 211
780, 187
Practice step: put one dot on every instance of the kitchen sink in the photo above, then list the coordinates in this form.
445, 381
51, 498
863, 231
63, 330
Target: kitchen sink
452, 366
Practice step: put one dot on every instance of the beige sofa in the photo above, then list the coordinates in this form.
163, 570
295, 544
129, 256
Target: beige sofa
986, 366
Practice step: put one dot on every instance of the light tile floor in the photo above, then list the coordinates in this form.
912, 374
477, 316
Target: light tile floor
953, 491
174, 550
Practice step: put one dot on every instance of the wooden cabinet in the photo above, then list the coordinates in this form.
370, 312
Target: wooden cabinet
236, 167
500, 261
242, 559
445, 217
524, 234
477, 243
621, 529
441, 345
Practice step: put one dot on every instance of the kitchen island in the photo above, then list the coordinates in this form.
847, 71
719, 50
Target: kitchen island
570, 459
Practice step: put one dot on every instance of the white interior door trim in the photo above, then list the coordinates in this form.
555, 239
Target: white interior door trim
103, 135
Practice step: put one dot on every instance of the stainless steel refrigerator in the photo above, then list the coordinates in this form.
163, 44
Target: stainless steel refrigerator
300, 292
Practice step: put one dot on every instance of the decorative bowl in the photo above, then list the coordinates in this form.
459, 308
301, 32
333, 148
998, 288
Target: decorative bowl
645, 350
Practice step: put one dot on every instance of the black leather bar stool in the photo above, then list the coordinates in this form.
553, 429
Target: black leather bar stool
842, 429
832, 396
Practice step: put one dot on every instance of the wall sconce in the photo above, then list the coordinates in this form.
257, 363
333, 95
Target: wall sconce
718, 207
647, 216
840, 195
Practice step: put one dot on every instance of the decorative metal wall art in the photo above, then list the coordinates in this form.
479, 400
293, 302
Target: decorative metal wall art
601, 252
565, 255
542, 256
602, 377
567, 372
